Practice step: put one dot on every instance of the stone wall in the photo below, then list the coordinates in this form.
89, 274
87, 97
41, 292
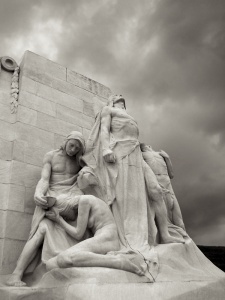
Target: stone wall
53, 101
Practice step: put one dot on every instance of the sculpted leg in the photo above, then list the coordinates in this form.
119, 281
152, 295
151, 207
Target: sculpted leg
89, 259
28, 253
155, 192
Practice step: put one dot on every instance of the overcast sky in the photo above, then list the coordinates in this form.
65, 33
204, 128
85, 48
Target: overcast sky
167, 58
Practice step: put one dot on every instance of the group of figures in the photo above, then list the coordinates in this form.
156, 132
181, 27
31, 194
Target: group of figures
103, 203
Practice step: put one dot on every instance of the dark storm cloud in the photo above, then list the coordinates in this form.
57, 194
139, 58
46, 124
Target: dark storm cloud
167, 58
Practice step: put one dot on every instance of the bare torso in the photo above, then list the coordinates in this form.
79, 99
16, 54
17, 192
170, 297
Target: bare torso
123, 126
99, 215
62, 166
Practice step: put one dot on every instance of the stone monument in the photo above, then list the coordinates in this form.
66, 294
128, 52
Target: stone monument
107, 223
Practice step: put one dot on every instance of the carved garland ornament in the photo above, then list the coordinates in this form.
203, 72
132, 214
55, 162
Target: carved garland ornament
9, 64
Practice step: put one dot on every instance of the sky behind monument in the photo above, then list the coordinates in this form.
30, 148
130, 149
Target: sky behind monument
167, 58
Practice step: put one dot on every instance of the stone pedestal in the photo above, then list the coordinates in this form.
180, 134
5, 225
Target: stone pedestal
53, 101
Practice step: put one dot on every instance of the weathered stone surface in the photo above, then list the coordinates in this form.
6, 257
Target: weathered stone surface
5, 97
88, 109
18, 150
59, 139
5, 85
88, 84
5, 75
37, 103
16, 198
2, 223
29, 200
34, 64
69, 115
32, 175
5, 171
5, 113
6, 149
7, 131
86, 133
11, 253
27, 115
28, 85
55, 125
4, 195
87, 122
18, 173
34, 135
72, 90
34, 155
17, 225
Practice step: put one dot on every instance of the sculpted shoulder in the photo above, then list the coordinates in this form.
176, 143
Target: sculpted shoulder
107, 110
49, 156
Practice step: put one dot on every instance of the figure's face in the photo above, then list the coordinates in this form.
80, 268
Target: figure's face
119, 104
72, 147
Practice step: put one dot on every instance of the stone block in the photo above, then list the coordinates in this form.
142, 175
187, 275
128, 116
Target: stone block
26, 115
7, 131
5, 171
6, 149
40, 65
29, 200
59, 139
5, 113
5, 97
86, 133
2, 223
55, 125
16, 198
88, 109
6, 75
18, 150
28, 85
18, 225
72, 90
18, 173
34, 155
87, 122
4, 195
11, 252
69, 115
37, 103
1, 253
32, 175
87, 84
5, 85
34, 136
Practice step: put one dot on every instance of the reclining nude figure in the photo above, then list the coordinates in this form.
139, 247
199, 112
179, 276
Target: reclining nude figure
59, 180
96, 215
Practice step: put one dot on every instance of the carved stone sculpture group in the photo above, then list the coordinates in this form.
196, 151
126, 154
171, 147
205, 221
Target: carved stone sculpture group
103, 203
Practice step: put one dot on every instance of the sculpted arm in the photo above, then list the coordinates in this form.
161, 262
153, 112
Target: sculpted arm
168, 163
43, 183
105, 134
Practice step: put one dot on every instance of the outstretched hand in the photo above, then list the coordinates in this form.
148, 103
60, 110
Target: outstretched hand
53, 215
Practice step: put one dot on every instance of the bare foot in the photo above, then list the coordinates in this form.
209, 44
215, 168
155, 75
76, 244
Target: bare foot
15, 280
129, 266
170, 239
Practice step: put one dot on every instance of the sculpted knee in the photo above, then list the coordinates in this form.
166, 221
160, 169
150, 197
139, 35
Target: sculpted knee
42, 228
63, 259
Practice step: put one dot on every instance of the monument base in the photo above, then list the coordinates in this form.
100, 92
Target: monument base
184, 273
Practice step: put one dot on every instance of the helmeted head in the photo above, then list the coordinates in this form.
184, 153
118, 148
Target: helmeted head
117, 101
74, 145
